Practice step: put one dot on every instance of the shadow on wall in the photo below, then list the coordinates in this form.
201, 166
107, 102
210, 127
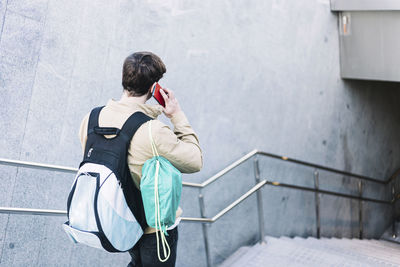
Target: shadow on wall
376, 104
380, 95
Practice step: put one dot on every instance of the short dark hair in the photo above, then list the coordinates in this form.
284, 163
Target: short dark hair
140, 71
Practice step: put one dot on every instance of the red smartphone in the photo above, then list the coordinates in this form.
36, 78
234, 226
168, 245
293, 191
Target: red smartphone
157, 95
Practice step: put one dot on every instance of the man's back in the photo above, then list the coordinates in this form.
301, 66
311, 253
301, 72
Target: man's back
180, 147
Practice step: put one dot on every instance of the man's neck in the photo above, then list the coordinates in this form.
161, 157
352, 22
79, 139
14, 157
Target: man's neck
134, 99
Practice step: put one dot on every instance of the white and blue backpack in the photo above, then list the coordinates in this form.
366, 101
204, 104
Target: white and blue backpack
105, 209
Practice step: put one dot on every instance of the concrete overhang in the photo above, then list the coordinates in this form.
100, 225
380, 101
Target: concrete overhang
365, 5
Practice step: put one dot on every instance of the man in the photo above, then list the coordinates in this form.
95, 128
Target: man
180, 146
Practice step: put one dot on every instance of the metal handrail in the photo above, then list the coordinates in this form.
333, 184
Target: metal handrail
49, 167
218, 175
332, 193
49, 212
320, 167
204, 220
228, 168
35, 165
28, 211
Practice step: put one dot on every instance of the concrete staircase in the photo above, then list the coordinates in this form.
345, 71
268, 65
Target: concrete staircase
285, 251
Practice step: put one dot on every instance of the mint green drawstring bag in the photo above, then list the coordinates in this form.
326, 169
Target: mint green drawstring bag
161, 187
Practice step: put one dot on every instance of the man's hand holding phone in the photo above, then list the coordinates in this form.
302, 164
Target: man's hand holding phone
171, 103
166, 98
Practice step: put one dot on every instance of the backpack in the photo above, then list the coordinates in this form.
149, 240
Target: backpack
105, 209
161, 188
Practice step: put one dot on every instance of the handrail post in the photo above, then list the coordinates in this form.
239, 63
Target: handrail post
317, 214
259, 201
360, 209
394, 230
204, 227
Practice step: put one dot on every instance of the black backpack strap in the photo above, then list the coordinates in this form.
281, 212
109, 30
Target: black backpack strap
94, 119
92, 124
132, 124
132, 194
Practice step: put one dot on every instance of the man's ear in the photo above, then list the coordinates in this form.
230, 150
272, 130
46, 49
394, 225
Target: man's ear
151, 87
150, 92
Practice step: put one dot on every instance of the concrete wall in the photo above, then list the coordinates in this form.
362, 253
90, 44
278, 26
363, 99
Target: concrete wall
248, 74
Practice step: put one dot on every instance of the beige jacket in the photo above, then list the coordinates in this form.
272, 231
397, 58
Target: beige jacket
180, 146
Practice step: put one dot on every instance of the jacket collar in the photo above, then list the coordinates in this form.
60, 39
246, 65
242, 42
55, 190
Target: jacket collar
131, 106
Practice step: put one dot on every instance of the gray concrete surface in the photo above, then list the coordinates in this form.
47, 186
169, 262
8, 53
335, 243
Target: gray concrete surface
301, 252
248, 74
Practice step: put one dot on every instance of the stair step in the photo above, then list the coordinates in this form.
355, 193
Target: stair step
241, 252
347, 248
310, 251
363, 248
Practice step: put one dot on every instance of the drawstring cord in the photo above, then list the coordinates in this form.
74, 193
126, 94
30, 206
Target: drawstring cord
157, 216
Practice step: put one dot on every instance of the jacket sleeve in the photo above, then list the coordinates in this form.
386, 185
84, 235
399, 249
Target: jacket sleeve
180, 146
